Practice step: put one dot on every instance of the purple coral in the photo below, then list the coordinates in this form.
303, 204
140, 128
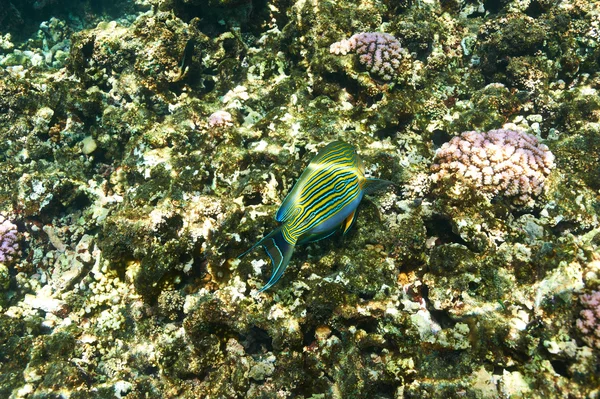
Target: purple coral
9, 245
589, 323
380, 52
499, 162
220, 118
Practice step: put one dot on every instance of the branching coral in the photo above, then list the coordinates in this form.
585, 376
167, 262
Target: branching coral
589, 323
500, 162
380, 52
9, 245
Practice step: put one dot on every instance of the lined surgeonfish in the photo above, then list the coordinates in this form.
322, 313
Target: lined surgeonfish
324, 198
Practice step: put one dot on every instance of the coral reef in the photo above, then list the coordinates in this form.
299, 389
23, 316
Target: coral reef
498, 162
132, 209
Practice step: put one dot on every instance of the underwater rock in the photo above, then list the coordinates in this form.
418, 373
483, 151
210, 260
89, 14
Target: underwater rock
152, 245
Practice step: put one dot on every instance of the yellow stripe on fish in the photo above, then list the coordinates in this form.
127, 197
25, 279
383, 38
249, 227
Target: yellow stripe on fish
324, 198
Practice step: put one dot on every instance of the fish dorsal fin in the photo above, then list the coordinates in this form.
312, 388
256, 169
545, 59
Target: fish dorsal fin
373, 185
330, 153
348, 222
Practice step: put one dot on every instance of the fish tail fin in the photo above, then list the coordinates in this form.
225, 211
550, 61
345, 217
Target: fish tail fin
280, 251
252, 247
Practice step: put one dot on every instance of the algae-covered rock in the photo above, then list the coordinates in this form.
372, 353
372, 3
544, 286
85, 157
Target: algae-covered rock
515, 35
151, 244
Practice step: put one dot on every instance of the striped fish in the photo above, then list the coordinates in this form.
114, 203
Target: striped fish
323, 200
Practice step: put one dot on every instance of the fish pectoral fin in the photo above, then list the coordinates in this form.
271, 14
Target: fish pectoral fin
280, 252
348, 222
373, 185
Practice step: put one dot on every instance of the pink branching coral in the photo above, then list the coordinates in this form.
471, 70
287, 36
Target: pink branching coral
589, 323
499, 162
380, 52
9, 242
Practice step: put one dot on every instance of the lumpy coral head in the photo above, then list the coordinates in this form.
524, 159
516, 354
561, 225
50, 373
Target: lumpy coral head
589, 322
9, 244
499, 162
379, 52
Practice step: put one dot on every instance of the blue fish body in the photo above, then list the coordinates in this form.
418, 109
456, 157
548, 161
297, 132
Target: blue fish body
323, 200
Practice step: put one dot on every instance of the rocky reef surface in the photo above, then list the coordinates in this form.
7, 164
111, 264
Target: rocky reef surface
145, 144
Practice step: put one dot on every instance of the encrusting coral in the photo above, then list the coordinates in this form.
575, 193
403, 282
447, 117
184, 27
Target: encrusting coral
499, 162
